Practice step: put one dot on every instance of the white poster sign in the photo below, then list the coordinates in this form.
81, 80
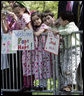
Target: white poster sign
52, 43
22, 40
6, 47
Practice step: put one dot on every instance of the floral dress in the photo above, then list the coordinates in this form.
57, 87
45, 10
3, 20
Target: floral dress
19, 24
37, 62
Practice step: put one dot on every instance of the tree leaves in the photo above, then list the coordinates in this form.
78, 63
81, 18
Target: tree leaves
41, 6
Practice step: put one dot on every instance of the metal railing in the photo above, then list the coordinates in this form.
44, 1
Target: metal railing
12, 77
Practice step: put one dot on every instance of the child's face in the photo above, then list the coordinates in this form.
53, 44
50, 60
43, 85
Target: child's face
48, 20
18, 11
63, 22
36, 20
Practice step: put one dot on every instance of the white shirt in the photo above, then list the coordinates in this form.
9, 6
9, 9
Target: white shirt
68, 29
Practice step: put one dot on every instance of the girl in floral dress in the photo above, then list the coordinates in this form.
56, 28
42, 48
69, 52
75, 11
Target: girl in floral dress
20, 20
38, 61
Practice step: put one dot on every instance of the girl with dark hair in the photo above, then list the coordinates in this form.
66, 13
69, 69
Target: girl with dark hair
39, 59
19, 21
23, 19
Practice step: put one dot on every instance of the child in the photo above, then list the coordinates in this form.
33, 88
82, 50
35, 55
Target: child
49, 20
41, 61
68, 67
21, 17
21, 20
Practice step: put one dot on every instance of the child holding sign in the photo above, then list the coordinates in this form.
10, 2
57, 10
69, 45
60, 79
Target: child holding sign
49, 20
20, 21
42, 58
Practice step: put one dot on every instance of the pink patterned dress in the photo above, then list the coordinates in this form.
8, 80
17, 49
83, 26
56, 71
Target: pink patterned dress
20, 24
37, 62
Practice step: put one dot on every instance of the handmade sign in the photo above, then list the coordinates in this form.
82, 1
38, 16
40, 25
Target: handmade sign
22, 40
52, 43
6, 47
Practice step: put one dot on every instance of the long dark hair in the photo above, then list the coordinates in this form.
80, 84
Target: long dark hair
39, 15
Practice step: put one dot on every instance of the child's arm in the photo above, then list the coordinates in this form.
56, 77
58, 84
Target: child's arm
13, 15
54, 30
26, 17
39, 32
5, 26
28, 26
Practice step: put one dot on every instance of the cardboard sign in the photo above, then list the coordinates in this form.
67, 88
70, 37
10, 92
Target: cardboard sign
6, 47
22, 40
52, 43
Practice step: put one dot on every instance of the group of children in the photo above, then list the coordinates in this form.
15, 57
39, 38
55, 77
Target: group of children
40, 23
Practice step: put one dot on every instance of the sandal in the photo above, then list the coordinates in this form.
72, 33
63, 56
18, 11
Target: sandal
67, 88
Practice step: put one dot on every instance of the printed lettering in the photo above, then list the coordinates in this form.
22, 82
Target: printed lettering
19, 39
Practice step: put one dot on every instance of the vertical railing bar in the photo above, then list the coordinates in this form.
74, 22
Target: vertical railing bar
6, 71
38, 64
76, 53
42, 80
16, 71
34, 67
21, 66
57, 89
27, 67
67, 52
2, 72
80, 58
45, 69
50, 72
71, 61
31, 64
54, 79
13, 70
9, 71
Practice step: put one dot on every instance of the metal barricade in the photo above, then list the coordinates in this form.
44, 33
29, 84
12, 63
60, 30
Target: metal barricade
12, 77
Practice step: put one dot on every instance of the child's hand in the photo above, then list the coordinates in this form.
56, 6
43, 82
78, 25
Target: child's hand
13, 15
55, 32
37, 34
57, 24
25, 28
10, 32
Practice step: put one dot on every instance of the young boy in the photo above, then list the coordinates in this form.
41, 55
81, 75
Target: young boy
49, 20
70, 55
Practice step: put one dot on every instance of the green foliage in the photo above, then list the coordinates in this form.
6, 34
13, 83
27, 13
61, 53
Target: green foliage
41, 6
